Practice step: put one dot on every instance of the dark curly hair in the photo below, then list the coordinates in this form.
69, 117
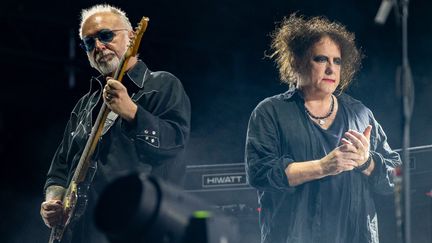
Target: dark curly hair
292, 42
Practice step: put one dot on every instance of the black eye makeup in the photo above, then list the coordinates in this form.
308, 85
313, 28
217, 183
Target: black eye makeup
322, 59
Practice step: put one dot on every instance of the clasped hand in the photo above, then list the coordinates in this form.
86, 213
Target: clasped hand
353, 152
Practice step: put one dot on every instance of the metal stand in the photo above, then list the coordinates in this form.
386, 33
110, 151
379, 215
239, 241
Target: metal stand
402, 184
407, 105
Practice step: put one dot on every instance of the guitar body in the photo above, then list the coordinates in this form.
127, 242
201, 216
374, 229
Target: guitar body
74, 206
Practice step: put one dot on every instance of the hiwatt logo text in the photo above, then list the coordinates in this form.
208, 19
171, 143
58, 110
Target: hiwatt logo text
227, 179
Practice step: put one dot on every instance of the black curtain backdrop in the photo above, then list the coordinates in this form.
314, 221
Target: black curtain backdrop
217, 49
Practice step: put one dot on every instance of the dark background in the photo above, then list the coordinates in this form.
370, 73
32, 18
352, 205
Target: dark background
216, 48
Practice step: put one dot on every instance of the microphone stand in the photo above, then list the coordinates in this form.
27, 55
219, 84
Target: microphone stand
402, 179
407, 106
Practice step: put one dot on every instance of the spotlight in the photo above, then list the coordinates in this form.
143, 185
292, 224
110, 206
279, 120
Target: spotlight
384, 11
142, 208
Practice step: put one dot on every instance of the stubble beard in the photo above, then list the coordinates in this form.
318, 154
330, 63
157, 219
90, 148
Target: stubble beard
105, 67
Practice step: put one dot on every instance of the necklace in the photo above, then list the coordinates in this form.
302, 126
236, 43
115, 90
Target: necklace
322, 119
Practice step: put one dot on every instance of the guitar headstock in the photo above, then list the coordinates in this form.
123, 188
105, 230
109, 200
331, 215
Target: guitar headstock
136, 39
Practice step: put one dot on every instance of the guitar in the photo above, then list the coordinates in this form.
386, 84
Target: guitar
75, 198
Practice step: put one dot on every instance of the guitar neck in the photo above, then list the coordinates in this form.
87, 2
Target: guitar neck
96, 132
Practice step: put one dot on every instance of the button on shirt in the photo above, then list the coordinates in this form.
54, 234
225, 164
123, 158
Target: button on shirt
163, 117
151, 144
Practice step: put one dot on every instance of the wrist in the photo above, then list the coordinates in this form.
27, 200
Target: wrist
365, 165
320, 165
130, 116
54, 192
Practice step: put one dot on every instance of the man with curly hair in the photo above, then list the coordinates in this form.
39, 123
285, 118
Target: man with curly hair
316, 155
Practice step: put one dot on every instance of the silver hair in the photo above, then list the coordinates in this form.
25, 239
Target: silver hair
105, 68
101, 8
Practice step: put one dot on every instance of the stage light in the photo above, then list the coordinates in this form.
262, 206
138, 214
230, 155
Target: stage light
384, 11
141, 208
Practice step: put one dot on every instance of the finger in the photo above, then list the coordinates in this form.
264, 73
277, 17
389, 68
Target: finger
349, 168
52, 204
345, 141
108, 101
353, 157
111, 94
348, 148
359, 136
106, 88
51, 214
51, 208
345, 165
108, 96
110, 89
52, 221
354, 140
348, 163
47, 214
114, 84
355, 134
52, 218
367, 132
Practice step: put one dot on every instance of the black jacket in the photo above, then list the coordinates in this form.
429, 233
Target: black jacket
280, 133
151, 144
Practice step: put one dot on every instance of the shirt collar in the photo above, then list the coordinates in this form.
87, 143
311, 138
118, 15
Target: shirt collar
292, 92
138, 74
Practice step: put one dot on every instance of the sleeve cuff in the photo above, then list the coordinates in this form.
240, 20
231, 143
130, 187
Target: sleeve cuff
144, 127
379, 168
284, 179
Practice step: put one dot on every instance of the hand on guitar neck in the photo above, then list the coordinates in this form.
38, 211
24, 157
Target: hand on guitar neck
117, 99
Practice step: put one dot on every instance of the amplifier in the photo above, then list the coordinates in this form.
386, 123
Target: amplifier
421, 186
224, 186
420, 196
420, 175
216, 176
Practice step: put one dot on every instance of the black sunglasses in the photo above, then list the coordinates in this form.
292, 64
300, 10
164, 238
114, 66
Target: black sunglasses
104, 35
